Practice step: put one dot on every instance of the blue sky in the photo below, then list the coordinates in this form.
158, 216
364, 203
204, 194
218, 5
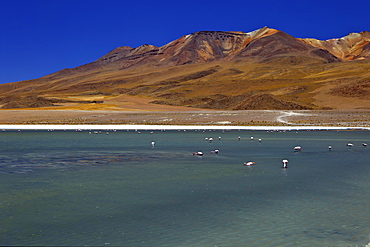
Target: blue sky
39, 37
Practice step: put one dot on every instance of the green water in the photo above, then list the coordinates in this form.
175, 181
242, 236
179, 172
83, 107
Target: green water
75, 188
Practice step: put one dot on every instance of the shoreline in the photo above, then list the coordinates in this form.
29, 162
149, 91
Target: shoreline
249, 119
166, 127
285, 114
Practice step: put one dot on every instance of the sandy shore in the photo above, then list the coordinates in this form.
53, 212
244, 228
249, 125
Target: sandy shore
208, 118
167, 127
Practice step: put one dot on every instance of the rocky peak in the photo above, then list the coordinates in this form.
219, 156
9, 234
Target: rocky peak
210, 45
264, 43
353, 46
262, 32
124, 51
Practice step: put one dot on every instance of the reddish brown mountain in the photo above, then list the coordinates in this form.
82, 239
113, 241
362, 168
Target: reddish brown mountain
263, 69
209, 46
205, 46
354, 46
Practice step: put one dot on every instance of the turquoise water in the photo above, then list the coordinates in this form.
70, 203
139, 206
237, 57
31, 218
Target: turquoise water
75, 188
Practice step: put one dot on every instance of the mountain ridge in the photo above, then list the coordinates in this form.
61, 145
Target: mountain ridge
233, 70
131, 56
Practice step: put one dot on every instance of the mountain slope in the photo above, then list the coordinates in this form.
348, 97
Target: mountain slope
354, 46
263, 69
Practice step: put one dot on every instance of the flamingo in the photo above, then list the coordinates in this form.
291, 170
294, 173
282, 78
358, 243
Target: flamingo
198, 153
285, 163
249, 163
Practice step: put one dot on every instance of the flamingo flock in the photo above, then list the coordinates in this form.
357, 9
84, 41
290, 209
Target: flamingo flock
296, 149
249, 163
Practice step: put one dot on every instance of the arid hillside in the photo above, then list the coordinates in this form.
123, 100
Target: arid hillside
266, 69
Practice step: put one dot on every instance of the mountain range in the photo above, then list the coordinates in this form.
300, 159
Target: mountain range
262, 69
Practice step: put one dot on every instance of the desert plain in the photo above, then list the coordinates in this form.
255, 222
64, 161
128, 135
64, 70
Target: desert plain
138, 110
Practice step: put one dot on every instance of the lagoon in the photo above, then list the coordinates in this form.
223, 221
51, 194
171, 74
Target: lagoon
113, 188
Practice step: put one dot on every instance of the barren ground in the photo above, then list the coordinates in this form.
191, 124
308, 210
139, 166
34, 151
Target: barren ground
139, 110
355, 118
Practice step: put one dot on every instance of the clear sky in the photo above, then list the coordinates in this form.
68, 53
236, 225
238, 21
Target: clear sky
39, 37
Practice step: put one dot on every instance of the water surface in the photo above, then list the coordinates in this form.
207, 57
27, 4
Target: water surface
75, 188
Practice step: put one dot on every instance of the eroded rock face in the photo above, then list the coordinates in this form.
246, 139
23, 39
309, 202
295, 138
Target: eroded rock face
354, 46
206, 46
282, 44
